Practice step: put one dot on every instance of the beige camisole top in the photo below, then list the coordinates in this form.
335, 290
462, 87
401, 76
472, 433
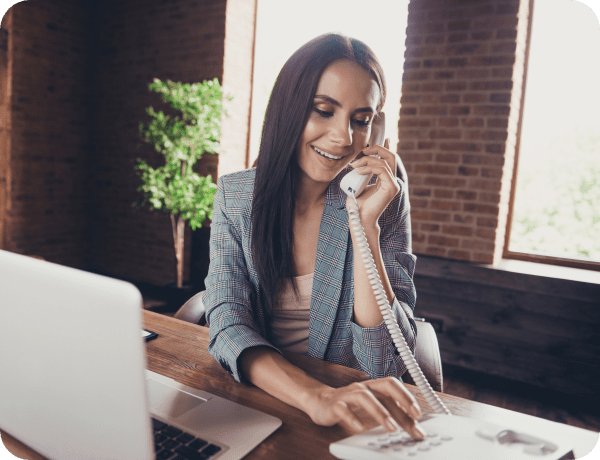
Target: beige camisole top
289, 323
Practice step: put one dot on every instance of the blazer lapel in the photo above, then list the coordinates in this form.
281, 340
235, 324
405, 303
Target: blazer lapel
329, 271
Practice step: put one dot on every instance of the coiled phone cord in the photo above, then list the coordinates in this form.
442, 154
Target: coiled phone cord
388, 316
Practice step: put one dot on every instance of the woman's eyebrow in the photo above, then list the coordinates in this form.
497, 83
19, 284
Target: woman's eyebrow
337, 104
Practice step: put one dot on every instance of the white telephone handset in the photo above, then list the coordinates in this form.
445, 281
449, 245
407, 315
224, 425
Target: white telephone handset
448, 436
356, 183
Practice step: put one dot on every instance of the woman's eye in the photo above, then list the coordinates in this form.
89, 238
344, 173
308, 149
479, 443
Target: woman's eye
323, 113
362, 122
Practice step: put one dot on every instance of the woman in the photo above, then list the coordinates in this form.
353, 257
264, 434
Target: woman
283, 272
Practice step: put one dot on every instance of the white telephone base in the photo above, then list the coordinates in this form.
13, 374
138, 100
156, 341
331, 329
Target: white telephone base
450, 437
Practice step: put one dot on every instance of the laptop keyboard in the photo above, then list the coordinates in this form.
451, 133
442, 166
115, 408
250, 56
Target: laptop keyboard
171, 443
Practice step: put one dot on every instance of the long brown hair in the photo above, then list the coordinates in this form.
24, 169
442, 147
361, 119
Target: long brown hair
276, 168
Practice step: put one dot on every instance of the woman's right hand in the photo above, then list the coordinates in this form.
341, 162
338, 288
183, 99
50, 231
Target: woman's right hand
384, 400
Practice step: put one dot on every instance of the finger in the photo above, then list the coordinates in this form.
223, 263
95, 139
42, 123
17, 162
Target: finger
406, 421
394, 389
383, 153
386, 144
346, 416
371, 161
367, 400
381, 170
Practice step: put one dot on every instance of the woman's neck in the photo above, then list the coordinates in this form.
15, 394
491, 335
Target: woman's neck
309, 193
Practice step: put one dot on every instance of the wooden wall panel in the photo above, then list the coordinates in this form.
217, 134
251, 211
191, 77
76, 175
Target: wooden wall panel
529, 328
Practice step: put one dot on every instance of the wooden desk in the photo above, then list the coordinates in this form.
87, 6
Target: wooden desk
180, 352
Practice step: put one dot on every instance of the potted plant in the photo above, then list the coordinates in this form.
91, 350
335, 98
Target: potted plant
182, 137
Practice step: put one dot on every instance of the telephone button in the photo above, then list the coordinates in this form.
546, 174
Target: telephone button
485, 435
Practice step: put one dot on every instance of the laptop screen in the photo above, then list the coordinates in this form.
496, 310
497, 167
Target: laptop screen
73, 362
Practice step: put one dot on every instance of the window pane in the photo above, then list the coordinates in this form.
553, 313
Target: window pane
283, 26
557, 202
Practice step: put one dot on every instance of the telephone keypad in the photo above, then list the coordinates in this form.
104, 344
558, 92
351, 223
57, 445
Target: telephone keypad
448, 437
400, 442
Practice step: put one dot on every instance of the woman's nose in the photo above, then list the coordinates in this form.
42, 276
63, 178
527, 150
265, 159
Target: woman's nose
341, 132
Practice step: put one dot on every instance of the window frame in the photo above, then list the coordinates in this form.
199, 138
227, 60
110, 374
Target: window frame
525, 256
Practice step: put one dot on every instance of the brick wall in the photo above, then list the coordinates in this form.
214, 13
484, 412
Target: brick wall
459, 114
137, 41
80, 88
49, 105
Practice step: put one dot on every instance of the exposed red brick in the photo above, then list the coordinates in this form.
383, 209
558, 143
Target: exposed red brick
468, 171
457, 230
460, 255
448, 122
469, 159
443, 241
435, 251
495, 148
460, 146
463, 219
443, 193
435, 169
443, 205
447, 158
477, 244
416, 191
486, 233
497, 123
480, 208
465, 195
77, 102
430, 227
487, 222
482, 257
445, 134
444, 181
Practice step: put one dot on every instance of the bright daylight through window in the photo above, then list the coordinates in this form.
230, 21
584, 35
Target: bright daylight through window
283, 26
556, 210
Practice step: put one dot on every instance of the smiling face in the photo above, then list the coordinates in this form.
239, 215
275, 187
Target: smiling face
339, 123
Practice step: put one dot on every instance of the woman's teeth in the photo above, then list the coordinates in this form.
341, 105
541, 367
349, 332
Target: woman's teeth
326, 155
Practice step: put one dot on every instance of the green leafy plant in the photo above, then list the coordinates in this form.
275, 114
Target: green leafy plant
195, 129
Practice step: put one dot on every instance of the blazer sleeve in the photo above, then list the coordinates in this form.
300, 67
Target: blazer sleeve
373, 347
229, 292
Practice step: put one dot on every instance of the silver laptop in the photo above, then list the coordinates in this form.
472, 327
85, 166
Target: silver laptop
73, 383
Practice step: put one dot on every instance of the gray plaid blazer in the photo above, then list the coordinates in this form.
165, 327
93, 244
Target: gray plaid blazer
233, 303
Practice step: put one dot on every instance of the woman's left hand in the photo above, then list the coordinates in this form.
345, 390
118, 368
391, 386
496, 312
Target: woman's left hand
375, 198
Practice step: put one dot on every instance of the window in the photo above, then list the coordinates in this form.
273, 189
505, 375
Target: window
282, 27
556, 198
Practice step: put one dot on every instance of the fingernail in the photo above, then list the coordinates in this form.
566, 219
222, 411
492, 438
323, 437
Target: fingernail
418, 432
358, 425
414, 411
